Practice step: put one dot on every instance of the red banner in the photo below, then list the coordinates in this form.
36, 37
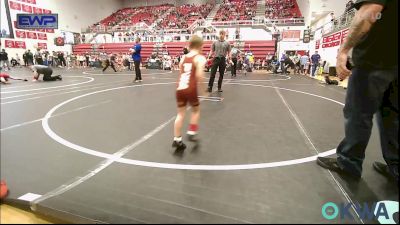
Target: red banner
42, 45
20, 34
31, 2
9, 44
50, 30
15, 25
317, 43
37, 10
31, 35
42, 36
41, 30
291, 35
344, 34
15, 5
332, 40
337, 36
20, 44
46, 11
27, 8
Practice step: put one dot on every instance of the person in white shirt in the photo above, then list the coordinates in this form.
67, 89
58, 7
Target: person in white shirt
18, 60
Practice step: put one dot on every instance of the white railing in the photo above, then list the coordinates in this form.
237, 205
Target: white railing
117, 28
196, 24
261, 21
339, 23
232, 23
200, 23
280, 22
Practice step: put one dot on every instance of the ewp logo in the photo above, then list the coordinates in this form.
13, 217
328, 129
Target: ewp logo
382, 211
37, 21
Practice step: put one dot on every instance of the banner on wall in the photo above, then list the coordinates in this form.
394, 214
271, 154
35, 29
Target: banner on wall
41, 36
37, 10
31, 35
9, 44
344, 34
20, 44
38, 30
42, 45
20, 34
291, 35
33, 2
46, 11
317, 43
332, 40
15, 5
27, 8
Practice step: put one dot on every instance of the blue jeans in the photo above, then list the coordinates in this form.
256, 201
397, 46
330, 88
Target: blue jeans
370, 92
314, 68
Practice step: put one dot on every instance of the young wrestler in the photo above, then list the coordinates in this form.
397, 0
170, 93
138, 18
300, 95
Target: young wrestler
191, 74
5, 77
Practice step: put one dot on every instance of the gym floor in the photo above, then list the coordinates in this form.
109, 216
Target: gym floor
96, 148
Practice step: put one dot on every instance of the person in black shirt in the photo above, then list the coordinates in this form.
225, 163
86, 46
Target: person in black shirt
61, 59
30, 57
372, 89
13, 62
4, 59
38, 58
110, 62
87, 57
46, 71
25, 58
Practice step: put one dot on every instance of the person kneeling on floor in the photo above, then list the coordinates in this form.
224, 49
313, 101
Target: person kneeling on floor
46, 71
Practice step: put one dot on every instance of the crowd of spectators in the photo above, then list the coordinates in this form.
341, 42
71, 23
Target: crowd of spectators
183, 16
232, 10
282, 9
132, 16
164, 16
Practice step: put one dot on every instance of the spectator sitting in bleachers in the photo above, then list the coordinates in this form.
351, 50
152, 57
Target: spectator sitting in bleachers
282, 9
238, 10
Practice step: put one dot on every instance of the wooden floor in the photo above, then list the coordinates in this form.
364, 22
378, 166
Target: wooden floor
12, 215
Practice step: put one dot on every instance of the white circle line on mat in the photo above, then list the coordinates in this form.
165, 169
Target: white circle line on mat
91, 79
56, 137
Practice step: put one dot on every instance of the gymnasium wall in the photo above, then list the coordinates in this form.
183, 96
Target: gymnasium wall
73, 15
304, 6
77, 14
335, 6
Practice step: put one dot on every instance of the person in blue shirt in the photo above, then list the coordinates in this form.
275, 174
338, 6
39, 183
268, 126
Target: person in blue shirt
282, 62
137, 58
275, 64
315, 61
